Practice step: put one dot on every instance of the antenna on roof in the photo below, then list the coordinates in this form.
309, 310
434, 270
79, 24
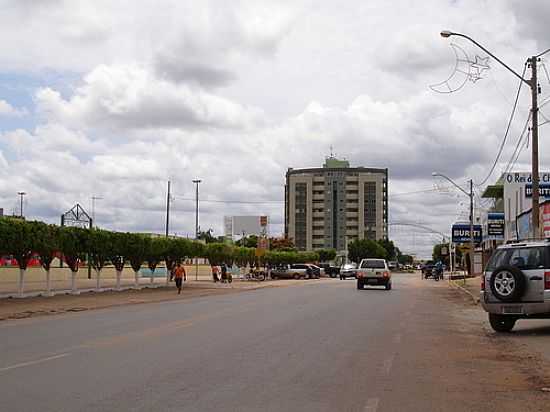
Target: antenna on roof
331, 151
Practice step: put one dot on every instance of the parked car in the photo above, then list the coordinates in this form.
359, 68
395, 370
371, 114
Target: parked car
330, 270
516, 284
348, 271
288, 272
373, 272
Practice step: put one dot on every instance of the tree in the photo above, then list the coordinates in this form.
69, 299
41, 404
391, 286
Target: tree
284, 244
99, 246
392, 252
248, 241
154, 253
326, 255
207, 236
116, 256
73, 243
218, 253
365, 248
46, 246
18, 238
136, 248
405, 259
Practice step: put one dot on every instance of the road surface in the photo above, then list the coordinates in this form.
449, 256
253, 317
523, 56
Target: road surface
323, 346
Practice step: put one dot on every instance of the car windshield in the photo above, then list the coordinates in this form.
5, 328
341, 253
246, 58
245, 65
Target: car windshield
373, 264
349, 266
526, 258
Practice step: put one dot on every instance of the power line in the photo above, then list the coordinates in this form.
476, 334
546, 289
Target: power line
514, 158
261, 202
507, 130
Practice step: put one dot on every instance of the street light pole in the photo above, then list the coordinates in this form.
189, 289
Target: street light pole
168, 209
21, 194
197, 181
94, 198
533, 84
471, 196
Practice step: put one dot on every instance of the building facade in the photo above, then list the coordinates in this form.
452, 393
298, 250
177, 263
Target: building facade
329, 206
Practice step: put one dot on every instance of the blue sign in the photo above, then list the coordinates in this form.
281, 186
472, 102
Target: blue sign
544, 190
461, 233
495, 226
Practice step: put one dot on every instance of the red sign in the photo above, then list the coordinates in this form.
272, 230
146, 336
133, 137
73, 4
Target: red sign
545, 221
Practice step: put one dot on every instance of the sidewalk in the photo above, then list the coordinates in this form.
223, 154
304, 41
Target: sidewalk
63, 303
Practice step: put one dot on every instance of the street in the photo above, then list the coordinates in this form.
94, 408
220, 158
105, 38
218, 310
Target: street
322, 346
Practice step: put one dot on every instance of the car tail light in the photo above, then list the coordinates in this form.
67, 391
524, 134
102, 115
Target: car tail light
547, 280
482, 283
386, 274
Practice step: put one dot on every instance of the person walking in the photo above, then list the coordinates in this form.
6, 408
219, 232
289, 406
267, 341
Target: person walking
179, 276
224, 273
215, 272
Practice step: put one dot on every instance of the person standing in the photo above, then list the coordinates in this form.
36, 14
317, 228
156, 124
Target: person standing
215, 271
224, 273
179, 275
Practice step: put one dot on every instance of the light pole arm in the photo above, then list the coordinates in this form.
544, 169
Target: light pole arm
492, 55
453, 183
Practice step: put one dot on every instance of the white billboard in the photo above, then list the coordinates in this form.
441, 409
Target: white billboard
247, 225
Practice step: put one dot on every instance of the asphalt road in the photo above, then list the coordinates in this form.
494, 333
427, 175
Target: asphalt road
323, 346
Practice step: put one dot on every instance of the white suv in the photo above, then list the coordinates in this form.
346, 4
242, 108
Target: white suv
516, 284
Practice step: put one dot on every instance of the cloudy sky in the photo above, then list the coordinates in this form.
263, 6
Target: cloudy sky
112, 99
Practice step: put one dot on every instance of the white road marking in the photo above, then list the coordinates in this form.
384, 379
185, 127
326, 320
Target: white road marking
34, 362
372, 405
387, 365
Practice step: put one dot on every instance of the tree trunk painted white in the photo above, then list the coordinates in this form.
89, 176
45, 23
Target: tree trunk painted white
152, 278
167, 277
97, 281
48, 283
74, 290
118, 275
136, 279
21, 283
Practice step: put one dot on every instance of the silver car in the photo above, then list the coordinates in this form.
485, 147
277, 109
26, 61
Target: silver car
348, 271
516, 284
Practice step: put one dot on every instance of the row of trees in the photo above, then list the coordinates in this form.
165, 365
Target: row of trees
99, 248
380, 249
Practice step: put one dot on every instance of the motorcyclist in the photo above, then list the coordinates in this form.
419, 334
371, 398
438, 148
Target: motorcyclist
438, 269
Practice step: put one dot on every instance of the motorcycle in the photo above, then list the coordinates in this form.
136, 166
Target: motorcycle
437, 274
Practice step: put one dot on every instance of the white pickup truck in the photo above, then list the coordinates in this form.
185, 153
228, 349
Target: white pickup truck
373, 272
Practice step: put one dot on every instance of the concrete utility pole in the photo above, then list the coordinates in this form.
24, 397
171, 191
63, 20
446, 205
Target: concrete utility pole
197, 181
21, 194
168, 209
535, 146
471, 228
94, 198
533, 84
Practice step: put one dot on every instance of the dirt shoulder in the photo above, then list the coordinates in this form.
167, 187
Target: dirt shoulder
43, 306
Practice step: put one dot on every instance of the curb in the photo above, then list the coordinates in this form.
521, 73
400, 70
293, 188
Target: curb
475, 299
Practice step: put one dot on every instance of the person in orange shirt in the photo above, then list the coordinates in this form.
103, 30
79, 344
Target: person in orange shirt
179, 275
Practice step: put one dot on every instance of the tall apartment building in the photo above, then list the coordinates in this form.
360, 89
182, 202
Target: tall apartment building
326, 207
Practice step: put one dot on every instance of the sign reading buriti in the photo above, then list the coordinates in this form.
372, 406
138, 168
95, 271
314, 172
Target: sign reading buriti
461, 233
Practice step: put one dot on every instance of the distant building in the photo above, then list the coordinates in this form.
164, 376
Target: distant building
329, 206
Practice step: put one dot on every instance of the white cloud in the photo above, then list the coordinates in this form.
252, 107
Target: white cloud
8, 110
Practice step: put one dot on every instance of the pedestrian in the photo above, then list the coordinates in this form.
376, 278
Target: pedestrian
179, 276
224, 273
215, 272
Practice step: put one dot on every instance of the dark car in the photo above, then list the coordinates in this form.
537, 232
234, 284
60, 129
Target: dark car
330, 270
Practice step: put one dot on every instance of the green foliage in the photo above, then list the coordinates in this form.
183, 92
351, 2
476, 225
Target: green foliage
366, 248
156, 249
218, 253
405, 259
207, 236
326, 255
275, 258
100, 247
282, 244
392, 252
18, 238
244, 256
136, 249
73, 243
118, 248
46, 242
248, 241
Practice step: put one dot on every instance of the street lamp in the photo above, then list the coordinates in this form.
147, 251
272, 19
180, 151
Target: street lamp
533, 84
196, 182
94, 198
471, 196
21, 194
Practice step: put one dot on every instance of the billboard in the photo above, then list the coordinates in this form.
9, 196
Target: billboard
461, 233
247, 225
525, 227
495, 226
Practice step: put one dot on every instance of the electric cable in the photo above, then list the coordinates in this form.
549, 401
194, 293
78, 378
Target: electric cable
507, 130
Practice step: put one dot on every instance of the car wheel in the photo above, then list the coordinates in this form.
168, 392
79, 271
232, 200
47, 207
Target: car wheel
274, 277
296, 276
502, 323
507, 283
388, 286
360, 285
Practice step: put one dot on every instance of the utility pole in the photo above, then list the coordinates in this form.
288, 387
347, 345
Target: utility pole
168, 209
197, 181
471, 229
94, 198
535, 146
21, 194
